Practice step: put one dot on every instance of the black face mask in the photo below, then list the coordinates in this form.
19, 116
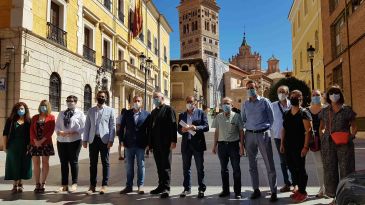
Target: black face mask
101, 101
294, 101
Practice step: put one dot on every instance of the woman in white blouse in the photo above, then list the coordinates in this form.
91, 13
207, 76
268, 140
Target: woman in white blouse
70, 126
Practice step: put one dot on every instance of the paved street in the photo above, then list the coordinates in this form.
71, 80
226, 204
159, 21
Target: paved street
117, 180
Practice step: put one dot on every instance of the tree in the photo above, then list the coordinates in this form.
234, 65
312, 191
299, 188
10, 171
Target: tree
293, 84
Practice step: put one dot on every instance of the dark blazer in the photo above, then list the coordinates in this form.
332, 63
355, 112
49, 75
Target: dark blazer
199, 119
132, 134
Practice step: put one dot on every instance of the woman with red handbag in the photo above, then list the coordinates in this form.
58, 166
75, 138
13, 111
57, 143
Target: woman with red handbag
338, 154
315, 144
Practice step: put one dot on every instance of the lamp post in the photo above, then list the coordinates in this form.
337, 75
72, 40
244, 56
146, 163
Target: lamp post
145, 64
310, 52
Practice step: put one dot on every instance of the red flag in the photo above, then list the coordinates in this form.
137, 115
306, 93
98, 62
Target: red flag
138, 19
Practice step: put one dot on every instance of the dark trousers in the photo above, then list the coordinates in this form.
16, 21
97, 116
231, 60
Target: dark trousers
68, 153
94, 149
163, 164
230, 151
187, 155
296, 165
283, 164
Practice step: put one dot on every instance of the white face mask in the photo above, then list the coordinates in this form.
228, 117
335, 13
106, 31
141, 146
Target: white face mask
335, 97
136, 106
282, 96
190, 106
71, 105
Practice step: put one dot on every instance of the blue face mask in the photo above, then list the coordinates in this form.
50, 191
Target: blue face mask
226, 108
251, 92
316, 100
21, 112
43, 109
156, 102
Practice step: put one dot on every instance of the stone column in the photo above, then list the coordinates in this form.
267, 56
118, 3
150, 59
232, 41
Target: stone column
122, 96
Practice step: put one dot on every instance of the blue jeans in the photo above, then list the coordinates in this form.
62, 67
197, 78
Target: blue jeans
130, 154
283, 164
199, 163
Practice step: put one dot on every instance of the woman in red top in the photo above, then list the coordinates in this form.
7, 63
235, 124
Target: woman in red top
41, 146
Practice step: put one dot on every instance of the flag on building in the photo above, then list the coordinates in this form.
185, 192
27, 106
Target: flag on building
136, 20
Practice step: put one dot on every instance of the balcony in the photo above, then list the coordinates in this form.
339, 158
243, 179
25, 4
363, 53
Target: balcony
107, 64
123, 68
56, 34
89, 54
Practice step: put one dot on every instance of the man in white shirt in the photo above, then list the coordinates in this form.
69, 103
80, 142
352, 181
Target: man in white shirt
279, 107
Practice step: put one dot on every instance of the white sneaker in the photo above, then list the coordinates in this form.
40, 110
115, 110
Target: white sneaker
185, 193
140, 190
62, 189
73, 188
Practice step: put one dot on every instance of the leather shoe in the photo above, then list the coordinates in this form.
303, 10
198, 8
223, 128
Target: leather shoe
200, 195
165, 194
158, 190
237, 196
273, 198
223, 194
285, 188
256, 194
126, 190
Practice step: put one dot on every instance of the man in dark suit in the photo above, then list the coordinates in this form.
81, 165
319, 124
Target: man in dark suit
162, 140
193, 144
133, 133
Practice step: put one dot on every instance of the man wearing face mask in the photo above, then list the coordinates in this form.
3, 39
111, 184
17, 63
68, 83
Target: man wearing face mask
229, 138
193, 145
258, 117
133, 133
162, 133
279, 107
69, 128
99, 133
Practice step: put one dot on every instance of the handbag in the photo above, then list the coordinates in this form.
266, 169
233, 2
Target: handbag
314, 141
339, 138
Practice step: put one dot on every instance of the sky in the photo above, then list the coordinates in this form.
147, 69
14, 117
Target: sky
265, 22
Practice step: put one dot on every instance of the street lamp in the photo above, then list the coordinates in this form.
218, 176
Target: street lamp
145, 65
310, 52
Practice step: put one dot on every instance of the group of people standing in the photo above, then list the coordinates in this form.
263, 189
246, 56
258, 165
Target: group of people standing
295, 131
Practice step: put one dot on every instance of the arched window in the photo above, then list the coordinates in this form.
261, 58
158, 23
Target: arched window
185, 68
87, 98
55, 92
105, 84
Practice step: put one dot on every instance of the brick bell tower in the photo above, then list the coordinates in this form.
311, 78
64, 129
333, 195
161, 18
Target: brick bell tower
199, 29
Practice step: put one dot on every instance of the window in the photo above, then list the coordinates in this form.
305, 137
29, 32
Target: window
120, 54
205, 39
108, 4
121, 10
307, 53
156, 46
356, 4
165, 87
316, 41
55, 25
87, 98
88, 51
338, 36
337, 78
185, 68
55, 92
333, 5
165, 54
149, 40
132, 61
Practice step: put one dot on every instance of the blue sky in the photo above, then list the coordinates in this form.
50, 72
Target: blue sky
266, 22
